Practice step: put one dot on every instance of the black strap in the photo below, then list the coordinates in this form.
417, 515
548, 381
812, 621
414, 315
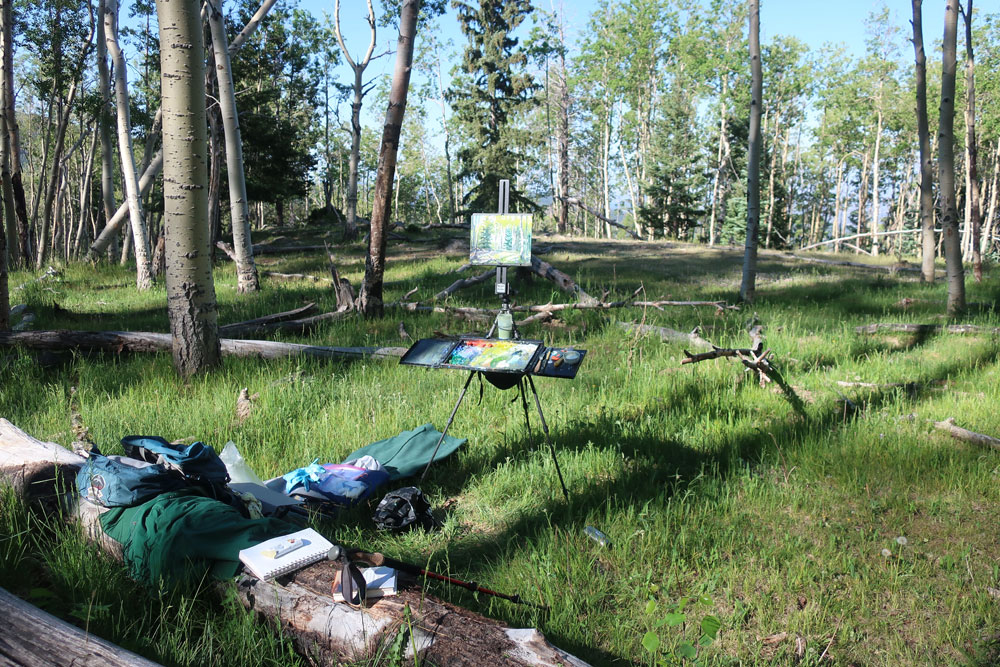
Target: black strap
352, 583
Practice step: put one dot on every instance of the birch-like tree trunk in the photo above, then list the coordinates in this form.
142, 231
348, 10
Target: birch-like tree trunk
747, 286
946, 164
370, 297
351, 230
974, 217
926, 158
150, 173
140, 236
876, 210
191, 305
104, 124
246, 270
13, 131
9, 230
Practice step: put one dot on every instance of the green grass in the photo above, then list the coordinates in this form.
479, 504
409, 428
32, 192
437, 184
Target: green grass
707, 484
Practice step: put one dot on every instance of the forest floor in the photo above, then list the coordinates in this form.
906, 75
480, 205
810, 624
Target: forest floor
855, 533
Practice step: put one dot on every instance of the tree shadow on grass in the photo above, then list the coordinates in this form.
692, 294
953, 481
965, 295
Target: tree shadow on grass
675, 466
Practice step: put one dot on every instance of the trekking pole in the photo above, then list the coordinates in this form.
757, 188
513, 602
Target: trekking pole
377, 559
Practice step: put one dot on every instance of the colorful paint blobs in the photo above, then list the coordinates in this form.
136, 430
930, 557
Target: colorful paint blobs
500, 355
501, 240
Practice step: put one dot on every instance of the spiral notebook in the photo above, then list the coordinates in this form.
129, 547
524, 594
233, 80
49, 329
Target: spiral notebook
288, 553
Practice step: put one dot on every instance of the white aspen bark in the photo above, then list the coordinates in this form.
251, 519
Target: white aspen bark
876, 211
140, 237
112, 226
85, 196
926, 158
246, 270
991, 212
837, 228
720, 158
747, 285
973, 207
104, 122
770, 179
191, 304
946, 165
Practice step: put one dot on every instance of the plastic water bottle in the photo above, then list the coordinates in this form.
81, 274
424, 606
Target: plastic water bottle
597, 536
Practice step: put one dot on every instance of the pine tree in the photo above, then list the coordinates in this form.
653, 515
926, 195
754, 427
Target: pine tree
488, 99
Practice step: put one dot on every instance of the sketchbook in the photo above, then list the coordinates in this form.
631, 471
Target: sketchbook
288, 553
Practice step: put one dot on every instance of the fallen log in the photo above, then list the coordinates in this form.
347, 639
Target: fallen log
301, 604
668, 335
489, 313
145, 341
462, 283
33, 637
295, 313
565, 283
968, 436
294, 276
854, 265
895, 327
299, 326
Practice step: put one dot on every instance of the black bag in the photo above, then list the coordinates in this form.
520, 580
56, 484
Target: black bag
403, 509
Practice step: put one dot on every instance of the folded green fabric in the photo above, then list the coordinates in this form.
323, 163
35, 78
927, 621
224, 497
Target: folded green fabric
180, 536
409, 452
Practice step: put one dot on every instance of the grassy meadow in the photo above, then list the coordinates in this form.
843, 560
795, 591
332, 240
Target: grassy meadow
856, 534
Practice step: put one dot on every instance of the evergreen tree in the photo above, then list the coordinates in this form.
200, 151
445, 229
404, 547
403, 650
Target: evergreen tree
488, 100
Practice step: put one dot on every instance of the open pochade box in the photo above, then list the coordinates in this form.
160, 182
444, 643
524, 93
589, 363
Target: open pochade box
491, 355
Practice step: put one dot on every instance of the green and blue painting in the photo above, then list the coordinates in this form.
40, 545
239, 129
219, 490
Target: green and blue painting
501, 239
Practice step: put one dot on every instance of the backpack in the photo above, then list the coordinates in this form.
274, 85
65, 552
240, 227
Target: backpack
117, 481
404, 508
197, 463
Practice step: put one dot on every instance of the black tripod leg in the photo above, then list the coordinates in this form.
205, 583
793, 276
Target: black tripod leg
524, 404
447, 426
545, 430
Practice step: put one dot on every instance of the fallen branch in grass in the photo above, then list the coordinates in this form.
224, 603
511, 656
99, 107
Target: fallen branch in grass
325, 631
576, 202
50, 272
565, 283
295, 313
299, 326
893, 327
145, 341
968, 436
854, 265
754, 358
462, 283
667, 335
294, 276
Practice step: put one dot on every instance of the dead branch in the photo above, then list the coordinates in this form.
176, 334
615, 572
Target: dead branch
341, 287
294, 276
402, 332
565, 283
489, 313
666, 334
968, 436
854, 265
573, 201
754, 358
537, 317
227, 329
462, 283
893, 327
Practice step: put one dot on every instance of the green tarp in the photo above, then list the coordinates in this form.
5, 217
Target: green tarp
180, 536
408, 453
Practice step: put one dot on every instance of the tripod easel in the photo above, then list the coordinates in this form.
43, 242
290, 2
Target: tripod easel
506, 329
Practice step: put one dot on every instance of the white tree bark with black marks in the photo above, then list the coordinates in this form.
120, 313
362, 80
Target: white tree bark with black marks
104, 124
946, 164
191, 303
747, 286
926, 157
104, 239
140, 236
351, 229
973, 204
246, 271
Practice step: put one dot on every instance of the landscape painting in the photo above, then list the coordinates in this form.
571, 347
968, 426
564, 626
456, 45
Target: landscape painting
501, 239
